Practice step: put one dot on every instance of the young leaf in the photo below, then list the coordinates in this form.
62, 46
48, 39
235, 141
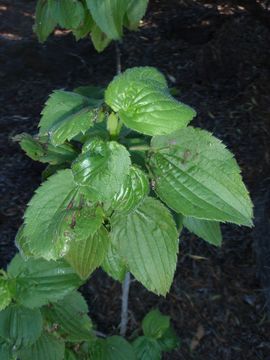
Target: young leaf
39, 282
101, 169
45, 218
112, 348
109, 16
46, 18
86, 255
205, 229
135, 11
134, 189
114, 265
197, 176
146, 348
148, 240
70, 13
169, 340
145, 106
40, 149
99, 38
20, 326
5, 295
70, 314
48, 347
155, 324
66, 114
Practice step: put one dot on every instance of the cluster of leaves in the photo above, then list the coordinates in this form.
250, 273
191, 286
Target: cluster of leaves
103, 20
43, 317
98, 208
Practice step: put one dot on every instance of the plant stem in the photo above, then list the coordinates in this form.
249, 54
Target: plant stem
139, 148
124, 309
126, 283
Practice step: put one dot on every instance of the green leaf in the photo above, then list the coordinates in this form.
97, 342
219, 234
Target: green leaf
99, 38
135, 11
146, 348
146, 106
86, 255
20, 326
134, 189
70, 355
155, 324
197, 176
91, 91
112, 348
70, 315
52, 169
101, 169
109, 16
70, 13
205, 229
40, 149
148, 240
5, 350
169, 341
47, 347
114, 265
5, 294
85, 26
65, 115
46, 20
39, 282
45, 225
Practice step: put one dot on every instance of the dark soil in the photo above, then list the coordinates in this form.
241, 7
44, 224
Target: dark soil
218, 57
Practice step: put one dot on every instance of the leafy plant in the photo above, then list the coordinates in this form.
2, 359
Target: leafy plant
102, 20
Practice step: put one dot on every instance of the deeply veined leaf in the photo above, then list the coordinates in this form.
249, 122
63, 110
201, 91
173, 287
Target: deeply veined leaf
146, 106
47, 347
207, 230
101, 169
86, 255
197, 176
146, 348
135, 11
109, 16
20, 326
5, 294
39, 282
155, 324
114, 265
99, 38
46, 18
65, 115
134, 189
70, 314
40, 149
148, 240
70, 13
45, 226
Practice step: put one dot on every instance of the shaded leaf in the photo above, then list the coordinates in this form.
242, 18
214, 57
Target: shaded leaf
207, 230
146, 348
5, 294
70, 13
112, 348
45, 19
20, 326
109, 16
47, 347
86, 255
114, 265
70, 315
99, 38
169, 341
39, 282
197, 176
155, 324
148, 240
135, 11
